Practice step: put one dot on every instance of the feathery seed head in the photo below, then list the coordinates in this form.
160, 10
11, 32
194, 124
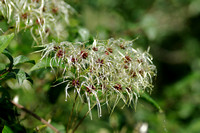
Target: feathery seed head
38, 15
122, 74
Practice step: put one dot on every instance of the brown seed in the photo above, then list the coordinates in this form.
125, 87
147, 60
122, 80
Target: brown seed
127, 59
88, 90
47, 30
139, 60
126, 66
55, 10
56, 48
84, 54
95, 49
24, 16
122, 46
129, 90
109, 50
36, 1
103, 86
141, 72
118, 87
106, 53
44, 9
100, 61
60, 53
74, 60
133, 74
40, 21
94, 88
75, 82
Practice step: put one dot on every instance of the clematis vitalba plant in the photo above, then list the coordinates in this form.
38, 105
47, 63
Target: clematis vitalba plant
99, 72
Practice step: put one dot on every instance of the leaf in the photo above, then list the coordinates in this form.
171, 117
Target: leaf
6, 129
4, 41
45, 64
22, 59
6, 53
21, 76
84, 33
151, 100
2, 66
29, 78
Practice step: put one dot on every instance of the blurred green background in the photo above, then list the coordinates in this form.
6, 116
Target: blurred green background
172, 30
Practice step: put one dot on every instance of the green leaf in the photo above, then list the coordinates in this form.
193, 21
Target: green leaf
22, 59
84, 33
29, 78
2, 66
21, 76
45, 63
151, 100
5, 40
6, 129
6, 53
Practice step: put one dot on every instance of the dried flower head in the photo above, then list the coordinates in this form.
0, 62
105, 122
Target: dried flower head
38, 15
104, 77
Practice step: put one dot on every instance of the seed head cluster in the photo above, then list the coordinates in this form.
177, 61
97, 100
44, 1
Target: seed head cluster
42, 17
103, 71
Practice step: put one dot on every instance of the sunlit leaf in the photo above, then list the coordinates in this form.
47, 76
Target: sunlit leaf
22, 59
2, 66
21, 76
6, 129
45, 63
84, 33
5, 40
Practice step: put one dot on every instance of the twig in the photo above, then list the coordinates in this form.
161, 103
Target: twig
83, 119
35, 116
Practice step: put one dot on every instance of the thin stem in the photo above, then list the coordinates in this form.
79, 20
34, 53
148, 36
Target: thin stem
70, 118
77, 114
35, 116
83, 119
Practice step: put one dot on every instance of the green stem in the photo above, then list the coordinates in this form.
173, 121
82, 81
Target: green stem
77, 114
83, 119
70, 118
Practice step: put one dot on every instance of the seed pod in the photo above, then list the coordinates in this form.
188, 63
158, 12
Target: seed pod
122, 46
118, 87
60, 53
75, 82
55, 10
24, 16
84, 54
127, 59
95, 49
40, 21
36, 1
109, 50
